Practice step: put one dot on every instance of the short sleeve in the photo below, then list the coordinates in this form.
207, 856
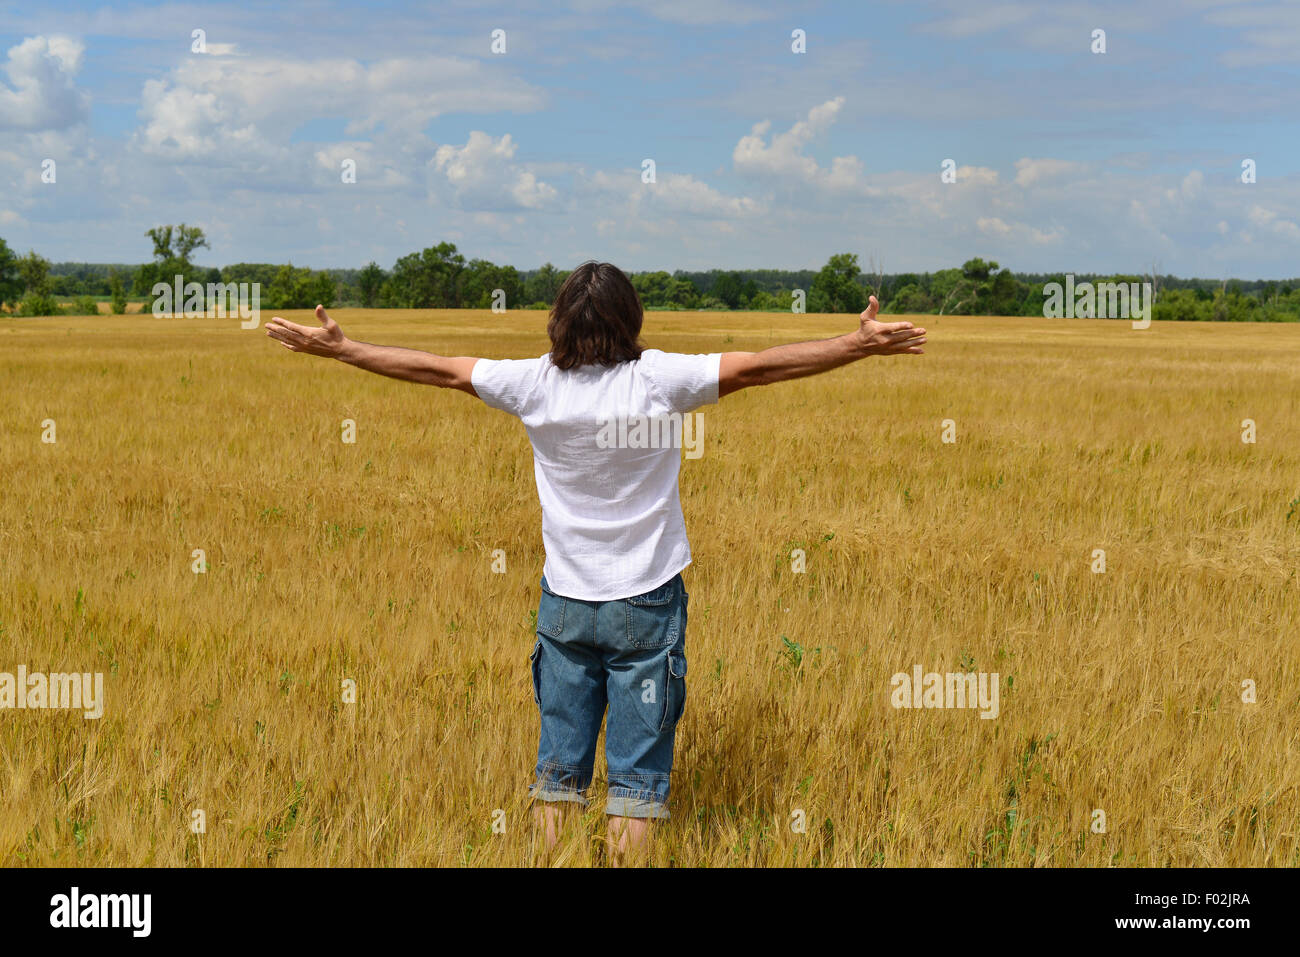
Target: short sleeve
505, 384
684, 382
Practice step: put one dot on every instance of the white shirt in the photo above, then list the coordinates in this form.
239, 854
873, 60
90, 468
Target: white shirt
611, 517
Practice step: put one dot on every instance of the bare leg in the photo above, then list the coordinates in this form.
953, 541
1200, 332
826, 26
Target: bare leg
550, 819
628, 837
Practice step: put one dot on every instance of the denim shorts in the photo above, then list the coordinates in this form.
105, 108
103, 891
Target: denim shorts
627, 655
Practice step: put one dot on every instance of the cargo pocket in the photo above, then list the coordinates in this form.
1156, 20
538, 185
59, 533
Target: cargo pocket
550, 614
676, 690
654, 620
535, 665
648, 684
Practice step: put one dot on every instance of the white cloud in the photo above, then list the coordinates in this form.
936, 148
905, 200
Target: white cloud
41, 94
976, 175
682, 193
210, 104
220, 49
183, 121
373, 170
482, 174
1031, 171
673, 194
1269, 220
992, 226
1190, 188
1023, 233
784, 156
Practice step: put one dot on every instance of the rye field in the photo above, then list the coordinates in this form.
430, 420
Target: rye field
1162, 691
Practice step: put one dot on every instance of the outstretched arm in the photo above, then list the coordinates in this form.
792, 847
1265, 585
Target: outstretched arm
740, 370
392, 361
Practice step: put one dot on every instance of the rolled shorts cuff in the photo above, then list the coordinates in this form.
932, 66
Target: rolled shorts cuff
561, 782
552, 793
624, 802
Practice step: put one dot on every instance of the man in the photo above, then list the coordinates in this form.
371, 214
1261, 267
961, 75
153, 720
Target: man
611, 625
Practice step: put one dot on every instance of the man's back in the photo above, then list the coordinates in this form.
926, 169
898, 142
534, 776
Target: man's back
606, 450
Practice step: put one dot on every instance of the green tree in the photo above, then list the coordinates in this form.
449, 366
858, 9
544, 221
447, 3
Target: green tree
1179, 305
481, 279
300, 288
321, 290
728, 288
764, 301
683, 294
279, 293
176, 243
260, 273
162, 242
1003, 295
544, 284
430, 279
187, 240
118, 293
38, 298
173, 247
986, 290
34, 270
661, 290
911, 300
977, 288
977, 270
837, 288
11, 285
369, 284
652, 287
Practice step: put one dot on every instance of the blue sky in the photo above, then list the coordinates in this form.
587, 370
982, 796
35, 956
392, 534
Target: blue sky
1066, 159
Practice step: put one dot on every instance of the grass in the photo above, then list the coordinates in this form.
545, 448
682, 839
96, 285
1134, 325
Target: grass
1120, 691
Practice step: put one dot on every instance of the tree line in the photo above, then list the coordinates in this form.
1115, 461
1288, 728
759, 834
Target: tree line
440, 277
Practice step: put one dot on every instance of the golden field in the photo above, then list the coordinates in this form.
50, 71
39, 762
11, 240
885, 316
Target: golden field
1120, 691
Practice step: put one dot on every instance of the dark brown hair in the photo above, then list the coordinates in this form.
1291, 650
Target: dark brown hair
596, 319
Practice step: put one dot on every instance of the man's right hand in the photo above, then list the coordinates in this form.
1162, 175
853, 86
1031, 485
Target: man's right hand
740, 370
